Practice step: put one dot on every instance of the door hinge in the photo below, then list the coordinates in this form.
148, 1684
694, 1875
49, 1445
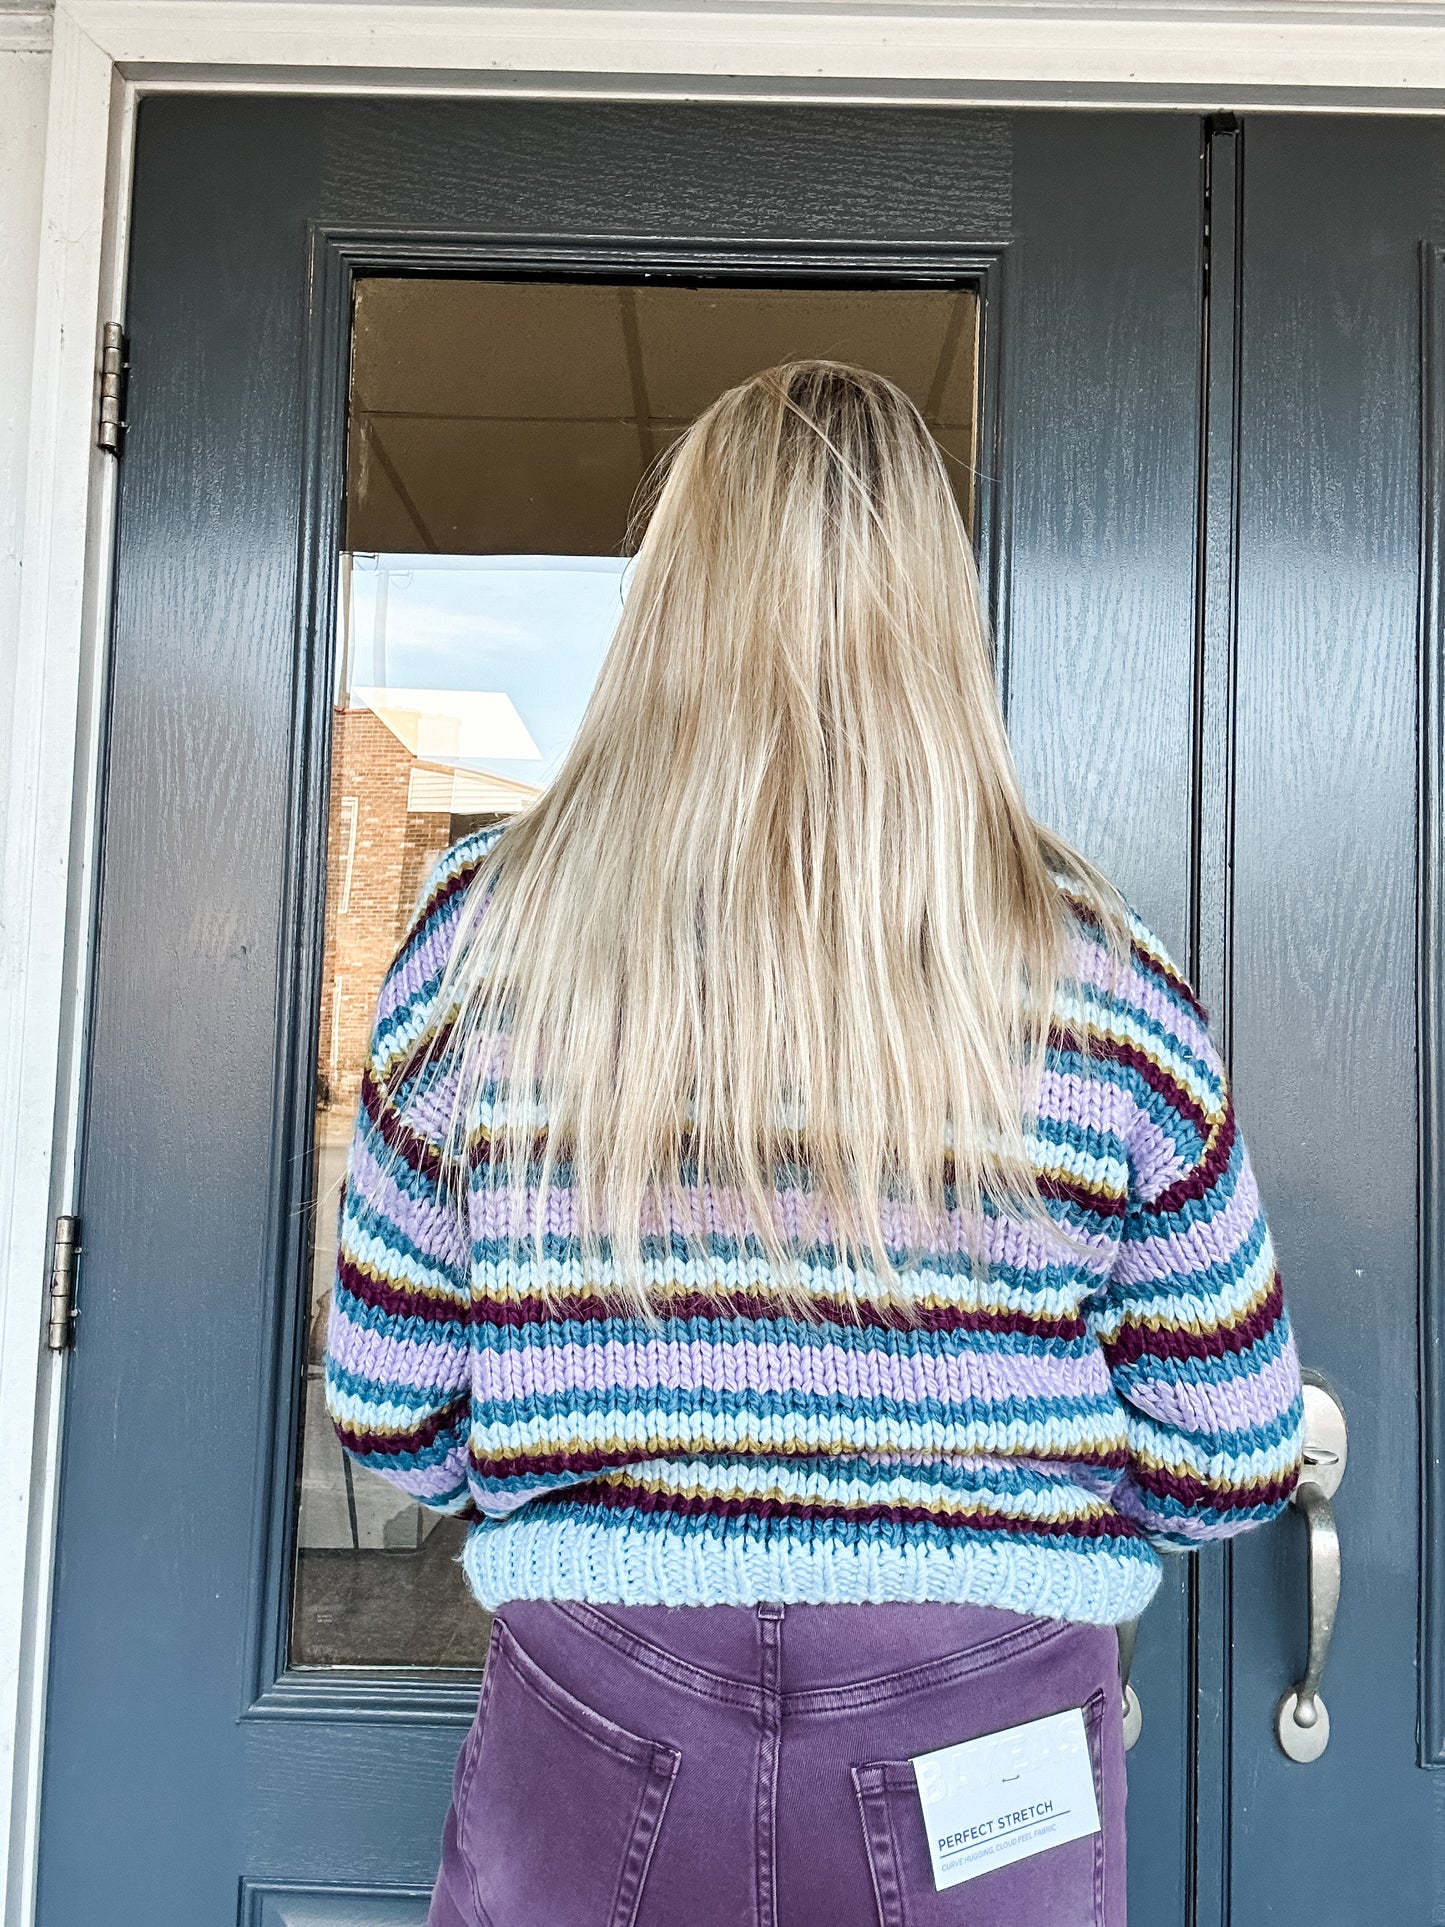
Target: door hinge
114, 382
64, 1250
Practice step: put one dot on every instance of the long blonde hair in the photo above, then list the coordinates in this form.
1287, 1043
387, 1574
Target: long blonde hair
782, 926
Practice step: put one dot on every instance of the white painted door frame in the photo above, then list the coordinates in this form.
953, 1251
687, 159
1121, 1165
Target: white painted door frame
1381, 56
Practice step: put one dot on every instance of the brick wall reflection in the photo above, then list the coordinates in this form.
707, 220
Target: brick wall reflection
378, 855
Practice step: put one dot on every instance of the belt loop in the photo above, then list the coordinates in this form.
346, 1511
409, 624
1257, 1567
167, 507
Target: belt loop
771, 1609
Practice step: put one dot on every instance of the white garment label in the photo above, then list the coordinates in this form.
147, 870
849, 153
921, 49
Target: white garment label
989, 1802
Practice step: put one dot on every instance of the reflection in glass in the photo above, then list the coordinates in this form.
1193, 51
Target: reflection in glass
496, 435
439, 659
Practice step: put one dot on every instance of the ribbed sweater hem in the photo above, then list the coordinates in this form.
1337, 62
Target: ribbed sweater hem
626, 1564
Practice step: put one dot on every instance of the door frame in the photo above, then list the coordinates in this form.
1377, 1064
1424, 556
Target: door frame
105, 55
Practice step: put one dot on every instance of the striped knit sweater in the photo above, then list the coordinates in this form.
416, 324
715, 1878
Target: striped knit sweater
1029, 1443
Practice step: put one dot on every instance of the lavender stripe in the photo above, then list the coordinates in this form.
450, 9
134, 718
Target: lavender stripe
781, 1367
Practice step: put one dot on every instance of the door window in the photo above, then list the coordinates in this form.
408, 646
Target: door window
497, 433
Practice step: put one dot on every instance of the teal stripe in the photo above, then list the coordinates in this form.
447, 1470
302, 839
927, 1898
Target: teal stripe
717, 1402
727, 1333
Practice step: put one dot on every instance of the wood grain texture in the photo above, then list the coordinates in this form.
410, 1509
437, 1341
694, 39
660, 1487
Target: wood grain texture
1100, 458
1323, 972
1431, 1008
827, 173
164, 1397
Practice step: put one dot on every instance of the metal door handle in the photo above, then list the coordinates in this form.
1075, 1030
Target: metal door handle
1302, 1720
1128, 1631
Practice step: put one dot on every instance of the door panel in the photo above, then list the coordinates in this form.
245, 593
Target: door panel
1324, 984
1101, 442
217, 1781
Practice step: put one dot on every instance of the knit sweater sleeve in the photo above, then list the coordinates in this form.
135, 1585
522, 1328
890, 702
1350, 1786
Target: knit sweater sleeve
397, 1351
1192, 1319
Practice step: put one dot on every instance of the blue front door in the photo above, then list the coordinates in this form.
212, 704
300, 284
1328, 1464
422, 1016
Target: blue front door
396, 370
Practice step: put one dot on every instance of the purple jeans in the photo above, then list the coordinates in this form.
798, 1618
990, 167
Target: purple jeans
685, 1766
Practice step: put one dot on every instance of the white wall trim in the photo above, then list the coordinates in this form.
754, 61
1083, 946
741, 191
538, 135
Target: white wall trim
1345, 50
1386, 56
25, 30
1332, 55
1379, 56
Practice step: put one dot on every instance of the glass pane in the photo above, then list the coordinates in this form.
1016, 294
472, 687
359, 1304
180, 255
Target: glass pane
497, 432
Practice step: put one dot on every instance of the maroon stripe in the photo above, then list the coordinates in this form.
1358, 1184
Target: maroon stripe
1199, 1495
418, 1153
601, 1459
1199, 1182
1133, 1342
394, 1444
1083, 1197
1106, 1525
725, 1307
1064, 1038
397, 1301
1132, 1058
1156, 967
536, 1464
1182, 989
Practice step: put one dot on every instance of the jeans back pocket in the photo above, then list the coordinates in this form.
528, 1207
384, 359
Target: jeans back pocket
559, 1809
1060, 1887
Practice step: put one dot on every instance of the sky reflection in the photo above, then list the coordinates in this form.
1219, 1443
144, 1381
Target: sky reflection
532, 627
